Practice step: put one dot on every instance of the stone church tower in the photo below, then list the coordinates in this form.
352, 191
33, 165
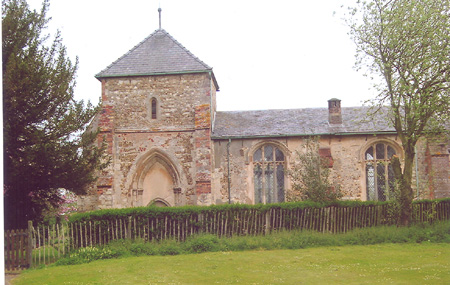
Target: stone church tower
158, 102
168, 146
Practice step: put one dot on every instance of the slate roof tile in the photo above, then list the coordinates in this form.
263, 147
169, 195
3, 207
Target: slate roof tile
297, 122
159, 53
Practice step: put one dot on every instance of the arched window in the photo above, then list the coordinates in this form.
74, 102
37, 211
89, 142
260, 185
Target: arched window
268, 174
379, 174
154, 108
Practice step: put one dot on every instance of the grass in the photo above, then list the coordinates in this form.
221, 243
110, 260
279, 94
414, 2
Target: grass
436, 233
409, 263
50, 254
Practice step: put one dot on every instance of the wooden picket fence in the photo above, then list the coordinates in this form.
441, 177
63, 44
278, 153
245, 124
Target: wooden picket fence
430, 212
50, 243
235, 222
44, 244
17, 249
16, 243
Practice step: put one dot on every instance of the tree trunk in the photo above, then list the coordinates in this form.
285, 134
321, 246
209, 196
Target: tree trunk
404, 181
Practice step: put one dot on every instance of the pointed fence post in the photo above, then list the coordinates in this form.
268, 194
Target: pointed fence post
129, 228
29, 249
267, 227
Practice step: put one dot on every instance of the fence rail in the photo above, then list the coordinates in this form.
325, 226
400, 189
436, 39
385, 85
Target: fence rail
45, 244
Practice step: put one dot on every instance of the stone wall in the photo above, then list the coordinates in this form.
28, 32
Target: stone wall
431, 176
178, 140
347, 153
433, 168
176, 150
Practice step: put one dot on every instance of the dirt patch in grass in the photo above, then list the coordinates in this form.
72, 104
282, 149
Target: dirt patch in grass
9, 277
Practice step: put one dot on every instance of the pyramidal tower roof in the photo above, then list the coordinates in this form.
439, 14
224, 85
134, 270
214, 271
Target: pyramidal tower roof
157, 54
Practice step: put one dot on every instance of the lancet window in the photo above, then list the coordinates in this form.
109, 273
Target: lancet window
154, 108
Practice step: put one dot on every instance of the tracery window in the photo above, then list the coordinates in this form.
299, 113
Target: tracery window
379, 174
268, 174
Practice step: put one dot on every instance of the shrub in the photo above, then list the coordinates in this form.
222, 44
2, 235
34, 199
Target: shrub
141, 248
94, 253
311, 176
86, 255
120, 247
69, 261
169, 248
202, 243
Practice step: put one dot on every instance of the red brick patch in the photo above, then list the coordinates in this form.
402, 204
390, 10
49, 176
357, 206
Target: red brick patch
203, 187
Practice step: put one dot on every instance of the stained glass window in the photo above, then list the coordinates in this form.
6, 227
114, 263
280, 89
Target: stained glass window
268, 174
379, 174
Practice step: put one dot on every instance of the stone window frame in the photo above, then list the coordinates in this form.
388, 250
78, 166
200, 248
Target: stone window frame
385, 160
151, 114
285, 151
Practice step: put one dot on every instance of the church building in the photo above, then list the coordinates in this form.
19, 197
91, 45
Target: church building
169, 146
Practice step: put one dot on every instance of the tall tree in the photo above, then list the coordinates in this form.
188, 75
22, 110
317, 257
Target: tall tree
46, 147
406, 44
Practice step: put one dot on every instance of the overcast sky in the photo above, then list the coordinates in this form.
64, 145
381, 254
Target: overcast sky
264, 54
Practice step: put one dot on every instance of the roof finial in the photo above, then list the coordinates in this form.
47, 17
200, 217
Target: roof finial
159, 11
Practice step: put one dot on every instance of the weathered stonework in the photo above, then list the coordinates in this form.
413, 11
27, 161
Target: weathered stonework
347, 154
160, 133
433, 167
177, 143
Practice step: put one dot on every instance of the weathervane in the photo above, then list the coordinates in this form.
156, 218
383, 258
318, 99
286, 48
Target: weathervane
159, 11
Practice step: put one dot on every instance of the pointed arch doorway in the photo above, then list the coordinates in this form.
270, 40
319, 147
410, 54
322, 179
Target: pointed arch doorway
156, 181
158, 186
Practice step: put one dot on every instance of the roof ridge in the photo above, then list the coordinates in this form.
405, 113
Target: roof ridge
288, 109
272, 110
207, 67
127, 53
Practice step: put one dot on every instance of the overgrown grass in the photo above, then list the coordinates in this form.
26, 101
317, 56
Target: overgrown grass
436, 233
406, 263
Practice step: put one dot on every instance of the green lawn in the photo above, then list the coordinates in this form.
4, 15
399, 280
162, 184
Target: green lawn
426, 263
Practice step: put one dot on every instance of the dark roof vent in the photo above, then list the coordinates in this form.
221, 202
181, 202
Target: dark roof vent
334, 111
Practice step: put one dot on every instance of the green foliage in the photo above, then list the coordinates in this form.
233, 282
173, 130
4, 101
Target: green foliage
170, 248
122, 247
141, 248
436, 233
311, 176
185, 211
86, 255
405, 45
44, 150
202, 243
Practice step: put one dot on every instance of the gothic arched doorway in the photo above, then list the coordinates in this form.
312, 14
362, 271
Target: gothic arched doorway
156, 179
158, 185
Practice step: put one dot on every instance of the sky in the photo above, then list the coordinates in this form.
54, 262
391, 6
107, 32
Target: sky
265, 54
